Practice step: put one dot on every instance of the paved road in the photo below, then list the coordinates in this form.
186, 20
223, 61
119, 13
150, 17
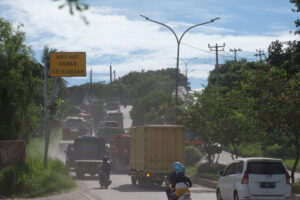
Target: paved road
121, 189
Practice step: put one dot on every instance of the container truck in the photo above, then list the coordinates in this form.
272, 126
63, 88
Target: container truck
153, 149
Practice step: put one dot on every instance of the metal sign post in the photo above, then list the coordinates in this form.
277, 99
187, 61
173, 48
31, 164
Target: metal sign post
45, 114
62, 64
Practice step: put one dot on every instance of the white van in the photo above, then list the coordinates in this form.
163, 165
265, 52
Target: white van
254, 178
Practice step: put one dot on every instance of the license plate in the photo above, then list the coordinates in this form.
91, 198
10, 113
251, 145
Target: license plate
267, 185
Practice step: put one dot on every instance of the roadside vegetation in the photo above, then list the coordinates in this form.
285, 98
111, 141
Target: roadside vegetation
252, 108
30, 179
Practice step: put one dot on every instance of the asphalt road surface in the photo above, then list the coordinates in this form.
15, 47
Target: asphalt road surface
121, 189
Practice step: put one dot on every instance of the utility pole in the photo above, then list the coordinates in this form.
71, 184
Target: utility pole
259, 53
91, 76
110, 72
45, 162
186, 71
216, 49
114, 75
235, 50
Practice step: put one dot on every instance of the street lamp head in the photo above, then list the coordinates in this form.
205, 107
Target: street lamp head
214, 19
144, 17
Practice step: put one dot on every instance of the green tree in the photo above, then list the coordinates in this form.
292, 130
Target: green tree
297, 9
199, 115
276, 98
20, 86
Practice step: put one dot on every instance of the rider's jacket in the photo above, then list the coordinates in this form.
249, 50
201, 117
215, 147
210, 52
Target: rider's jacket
105, 167
171, 177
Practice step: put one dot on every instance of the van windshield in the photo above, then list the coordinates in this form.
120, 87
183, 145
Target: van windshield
265, 168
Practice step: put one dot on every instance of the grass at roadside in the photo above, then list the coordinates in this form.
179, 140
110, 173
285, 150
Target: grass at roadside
205, 170
296, 188
191, 171
30, 179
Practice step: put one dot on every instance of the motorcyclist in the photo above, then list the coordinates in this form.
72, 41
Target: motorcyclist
181, 183
170, 179
104, 168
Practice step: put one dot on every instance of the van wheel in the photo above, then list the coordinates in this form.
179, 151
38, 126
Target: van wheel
219, 197
236, 196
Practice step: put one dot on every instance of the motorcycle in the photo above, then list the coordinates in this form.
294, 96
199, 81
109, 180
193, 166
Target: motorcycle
185, 196
104, 179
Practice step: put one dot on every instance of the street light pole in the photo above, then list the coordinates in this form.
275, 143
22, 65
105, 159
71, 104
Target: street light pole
178, 40
186, 63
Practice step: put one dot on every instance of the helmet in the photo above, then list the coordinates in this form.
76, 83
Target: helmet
104, 159
175, 164
179, 169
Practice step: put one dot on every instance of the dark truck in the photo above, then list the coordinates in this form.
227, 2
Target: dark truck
116, 117
87, 154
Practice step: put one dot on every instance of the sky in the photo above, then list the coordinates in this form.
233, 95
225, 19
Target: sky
117, 35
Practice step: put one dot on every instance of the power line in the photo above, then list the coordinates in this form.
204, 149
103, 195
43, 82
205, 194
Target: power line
196, 48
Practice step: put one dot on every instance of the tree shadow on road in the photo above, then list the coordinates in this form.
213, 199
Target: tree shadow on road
86, 178
131, 188
203, 191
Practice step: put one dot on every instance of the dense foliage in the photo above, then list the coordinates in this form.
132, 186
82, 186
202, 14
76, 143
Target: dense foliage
192, 155
30, 179
21, 86
256, 103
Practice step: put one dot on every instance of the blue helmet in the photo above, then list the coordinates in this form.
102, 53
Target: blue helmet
175, 164
179, 169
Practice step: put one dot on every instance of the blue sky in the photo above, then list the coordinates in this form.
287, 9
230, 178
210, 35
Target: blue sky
117, 34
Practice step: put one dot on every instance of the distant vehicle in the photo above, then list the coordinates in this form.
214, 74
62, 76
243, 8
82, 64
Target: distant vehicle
115, 116
109, 131
98, 110
254, 178
153, 149
74, 127
87, 154
119, 152
191, 139
113, 104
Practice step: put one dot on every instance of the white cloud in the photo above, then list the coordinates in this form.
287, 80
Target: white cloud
115, 35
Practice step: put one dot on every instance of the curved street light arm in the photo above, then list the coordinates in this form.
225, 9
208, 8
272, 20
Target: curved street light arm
211, 21
147, 18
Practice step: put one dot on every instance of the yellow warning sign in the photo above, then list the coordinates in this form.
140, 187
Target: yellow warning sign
67, 64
